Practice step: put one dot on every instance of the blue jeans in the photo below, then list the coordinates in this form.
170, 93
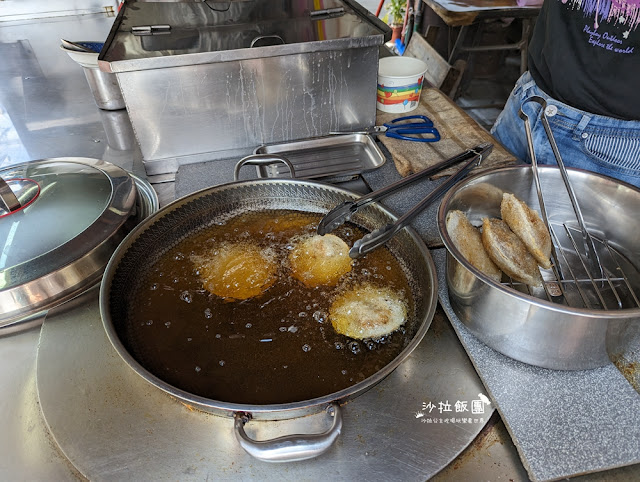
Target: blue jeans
587, 141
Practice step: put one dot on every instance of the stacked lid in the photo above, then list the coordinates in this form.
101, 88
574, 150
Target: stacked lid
60, 221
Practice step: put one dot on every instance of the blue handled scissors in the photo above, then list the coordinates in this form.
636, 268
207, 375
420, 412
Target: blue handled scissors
400, 129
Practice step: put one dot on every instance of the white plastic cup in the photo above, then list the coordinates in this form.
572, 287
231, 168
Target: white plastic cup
399, 84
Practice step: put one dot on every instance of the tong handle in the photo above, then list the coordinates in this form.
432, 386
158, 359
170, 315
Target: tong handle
378, 237
341, 213
590, 250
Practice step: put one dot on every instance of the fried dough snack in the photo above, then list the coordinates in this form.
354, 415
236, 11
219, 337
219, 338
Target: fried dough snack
320, 260
468, 240
509, 253
527, 225
237, 271
367, 312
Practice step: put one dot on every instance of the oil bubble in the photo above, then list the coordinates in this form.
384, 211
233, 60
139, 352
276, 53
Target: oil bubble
189, 339
338, 345
292, 329
218, 335
248, 325
154, 286
319, 316
221, 363
198, 369
186, 297
149, 322
207, 313
354, 346
306, 348
167, 324
283, 329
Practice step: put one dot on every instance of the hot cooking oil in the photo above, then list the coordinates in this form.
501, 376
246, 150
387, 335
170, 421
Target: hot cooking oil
275, 347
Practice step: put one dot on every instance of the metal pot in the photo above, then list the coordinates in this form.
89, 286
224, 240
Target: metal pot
195, 211
527, 324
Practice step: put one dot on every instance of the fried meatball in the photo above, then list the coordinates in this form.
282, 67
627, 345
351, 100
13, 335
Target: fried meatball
320, 260
368, 311
237, 271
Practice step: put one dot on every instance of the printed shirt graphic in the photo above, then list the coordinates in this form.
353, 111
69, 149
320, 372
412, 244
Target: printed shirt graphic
586, 53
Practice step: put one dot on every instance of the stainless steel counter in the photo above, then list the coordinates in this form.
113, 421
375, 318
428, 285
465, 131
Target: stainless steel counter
47, 110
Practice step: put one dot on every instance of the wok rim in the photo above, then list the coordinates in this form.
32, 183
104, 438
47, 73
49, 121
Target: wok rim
600, 315
271, 411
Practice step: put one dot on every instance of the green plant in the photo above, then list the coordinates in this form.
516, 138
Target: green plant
395, 12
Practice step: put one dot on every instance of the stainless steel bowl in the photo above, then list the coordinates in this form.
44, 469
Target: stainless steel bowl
527, 324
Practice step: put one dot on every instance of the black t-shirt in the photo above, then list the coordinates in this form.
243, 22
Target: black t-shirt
587, 54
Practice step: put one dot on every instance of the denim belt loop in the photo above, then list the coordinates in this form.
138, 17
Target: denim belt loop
528, 85
578, 132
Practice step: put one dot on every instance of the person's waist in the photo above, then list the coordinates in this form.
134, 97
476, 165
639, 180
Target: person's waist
569, 111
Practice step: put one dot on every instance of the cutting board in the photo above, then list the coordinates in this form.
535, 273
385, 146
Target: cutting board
458, 132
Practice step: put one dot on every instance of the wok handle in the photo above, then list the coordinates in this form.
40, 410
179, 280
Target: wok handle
289, 448
262, 160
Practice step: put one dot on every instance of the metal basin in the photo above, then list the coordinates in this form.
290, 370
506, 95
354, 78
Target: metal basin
591, 323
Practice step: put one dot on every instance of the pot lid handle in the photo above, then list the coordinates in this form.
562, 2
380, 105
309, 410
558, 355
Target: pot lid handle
8, 200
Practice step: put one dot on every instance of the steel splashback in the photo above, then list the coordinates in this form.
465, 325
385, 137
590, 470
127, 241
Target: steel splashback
170, 34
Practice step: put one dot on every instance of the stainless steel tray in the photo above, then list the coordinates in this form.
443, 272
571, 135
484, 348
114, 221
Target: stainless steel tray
330, 156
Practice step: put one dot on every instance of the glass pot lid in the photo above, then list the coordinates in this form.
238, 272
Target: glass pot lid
60, 221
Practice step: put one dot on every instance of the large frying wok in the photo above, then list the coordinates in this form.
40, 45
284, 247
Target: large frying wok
196, 211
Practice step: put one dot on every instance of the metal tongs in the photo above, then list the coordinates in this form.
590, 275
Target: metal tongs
590, 250
343, 212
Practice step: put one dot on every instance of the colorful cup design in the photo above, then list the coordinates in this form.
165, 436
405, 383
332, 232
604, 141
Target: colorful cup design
399, 84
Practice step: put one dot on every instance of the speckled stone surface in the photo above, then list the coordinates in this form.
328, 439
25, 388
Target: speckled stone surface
563, 423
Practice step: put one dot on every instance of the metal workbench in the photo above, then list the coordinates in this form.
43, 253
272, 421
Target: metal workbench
46, 110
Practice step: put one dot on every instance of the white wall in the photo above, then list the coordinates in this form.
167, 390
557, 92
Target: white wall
26, 9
